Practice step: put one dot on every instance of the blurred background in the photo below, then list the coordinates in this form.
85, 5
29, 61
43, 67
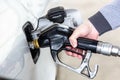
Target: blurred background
109, 67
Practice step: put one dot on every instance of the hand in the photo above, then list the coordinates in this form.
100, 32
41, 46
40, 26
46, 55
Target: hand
86, 30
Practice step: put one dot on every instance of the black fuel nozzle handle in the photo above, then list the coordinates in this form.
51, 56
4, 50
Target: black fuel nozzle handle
57, 37
87, 44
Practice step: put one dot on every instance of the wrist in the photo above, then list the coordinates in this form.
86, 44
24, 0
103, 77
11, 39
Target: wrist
93, 29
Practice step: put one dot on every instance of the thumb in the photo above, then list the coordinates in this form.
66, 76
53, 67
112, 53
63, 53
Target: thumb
73, 38
73, 41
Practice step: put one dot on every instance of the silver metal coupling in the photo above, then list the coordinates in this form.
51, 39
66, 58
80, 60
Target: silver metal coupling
108, 49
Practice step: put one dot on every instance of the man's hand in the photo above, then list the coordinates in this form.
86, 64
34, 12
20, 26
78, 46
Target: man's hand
86, 30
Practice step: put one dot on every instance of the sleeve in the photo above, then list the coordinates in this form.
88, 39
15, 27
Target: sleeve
107, 18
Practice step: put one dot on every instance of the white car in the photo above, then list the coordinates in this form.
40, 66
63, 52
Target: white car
15, 58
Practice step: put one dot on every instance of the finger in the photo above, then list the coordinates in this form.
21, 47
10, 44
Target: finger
79, 56
74, 55
79, 51
74, 36
68, 52
74, 49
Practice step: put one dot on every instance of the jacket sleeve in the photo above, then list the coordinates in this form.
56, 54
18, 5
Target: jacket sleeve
107, 18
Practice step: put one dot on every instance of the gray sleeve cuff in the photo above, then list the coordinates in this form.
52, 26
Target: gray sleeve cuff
111, 12
100, 23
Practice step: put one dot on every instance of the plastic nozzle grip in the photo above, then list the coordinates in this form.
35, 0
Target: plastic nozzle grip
87, 44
